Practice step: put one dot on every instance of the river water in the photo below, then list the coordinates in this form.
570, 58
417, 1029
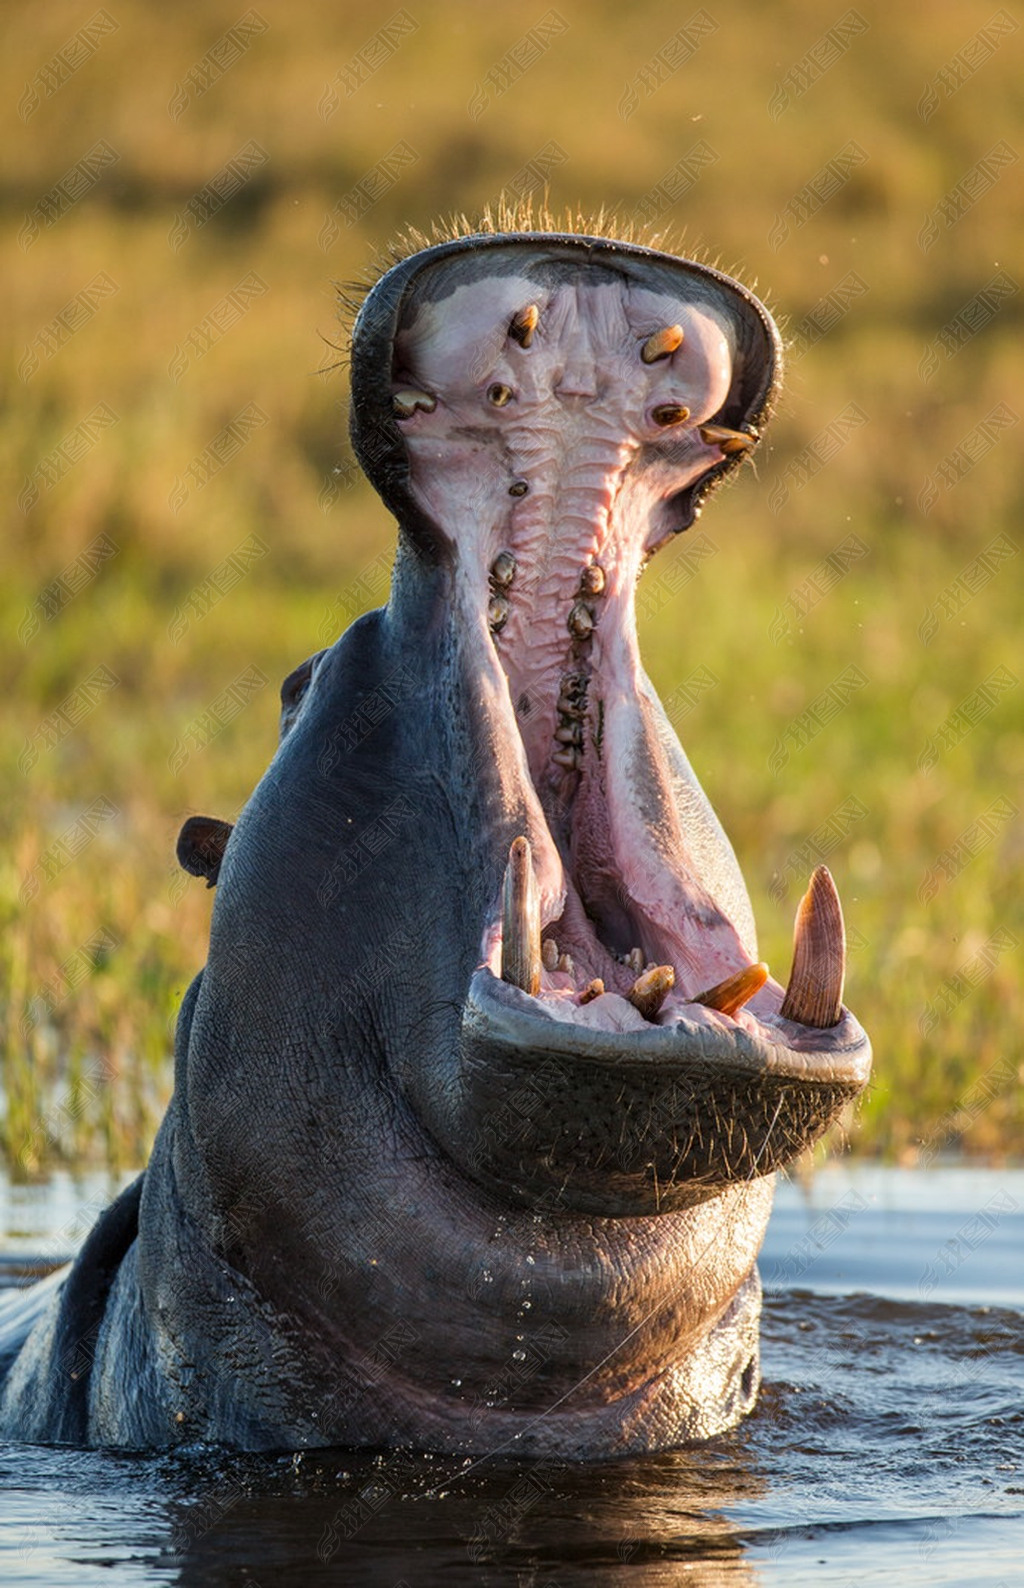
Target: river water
887, 1446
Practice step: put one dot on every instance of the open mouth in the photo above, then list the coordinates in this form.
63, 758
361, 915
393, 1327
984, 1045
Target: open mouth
561, 411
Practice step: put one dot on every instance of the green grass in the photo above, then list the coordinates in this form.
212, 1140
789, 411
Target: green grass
98, 945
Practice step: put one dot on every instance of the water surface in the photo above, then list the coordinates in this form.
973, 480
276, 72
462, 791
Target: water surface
887, 1447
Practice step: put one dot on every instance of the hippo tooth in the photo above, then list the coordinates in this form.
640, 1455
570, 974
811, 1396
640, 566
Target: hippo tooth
592, 990
549, 954
520, 934
569, 733
524, 324
518, 488
650, 990
662, 344
670, 414
567, 757
729, 995
581, 620
503, 569
405, 403
499, 394
728, 441
635, 960
592, 579
566, 964
814, 996
497, 612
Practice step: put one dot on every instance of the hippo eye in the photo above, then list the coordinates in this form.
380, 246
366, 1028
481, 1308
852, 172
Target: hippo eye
297, 682
498, 395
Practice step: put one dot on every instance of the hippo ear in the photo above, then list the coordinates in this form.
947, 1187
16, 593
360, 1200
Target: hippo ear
201, 845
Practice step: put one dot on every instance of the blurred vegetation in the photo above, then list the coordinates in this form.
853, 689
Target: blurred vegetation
109, 554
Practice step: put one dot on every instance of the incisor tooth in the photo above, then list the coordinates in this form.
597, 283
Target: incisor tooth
635, 960
520, 920
662, 344
405, 403
524, 324
650, 990
814, 996
729, 995
728, 441
549, 954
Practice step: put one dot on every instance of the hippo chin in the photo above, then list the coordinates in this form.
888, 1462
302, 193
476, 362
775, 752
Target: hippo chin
478, 1098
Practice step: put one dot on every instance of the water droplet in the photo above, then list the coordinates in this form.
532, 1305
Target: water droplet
531, 1261
487, 1277
519, 1356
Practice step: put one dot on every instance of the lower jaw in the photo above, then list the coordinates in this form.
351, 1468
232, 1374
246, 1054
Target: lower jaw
564, 1118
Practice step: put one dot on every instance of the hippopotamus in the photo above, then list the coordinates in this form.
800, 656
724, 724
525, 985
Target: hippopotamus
479, 1098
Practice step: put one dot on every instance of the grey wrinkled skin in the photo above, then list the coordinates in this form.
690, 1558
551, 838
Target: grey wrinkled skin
394, 1202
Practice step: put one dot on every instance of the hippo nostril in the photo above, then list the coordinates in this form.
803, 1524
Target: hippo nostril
499, 395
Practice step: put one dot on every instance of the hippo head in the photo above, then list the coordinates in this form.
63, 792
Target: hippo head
483, 972
542, 413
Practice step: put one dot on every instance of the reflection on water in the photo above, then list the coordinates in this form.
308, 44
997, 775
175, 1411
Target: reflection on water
888, 1444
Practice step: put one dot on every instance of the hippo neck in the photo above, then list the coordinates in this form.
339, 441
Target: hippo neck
457, 1306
